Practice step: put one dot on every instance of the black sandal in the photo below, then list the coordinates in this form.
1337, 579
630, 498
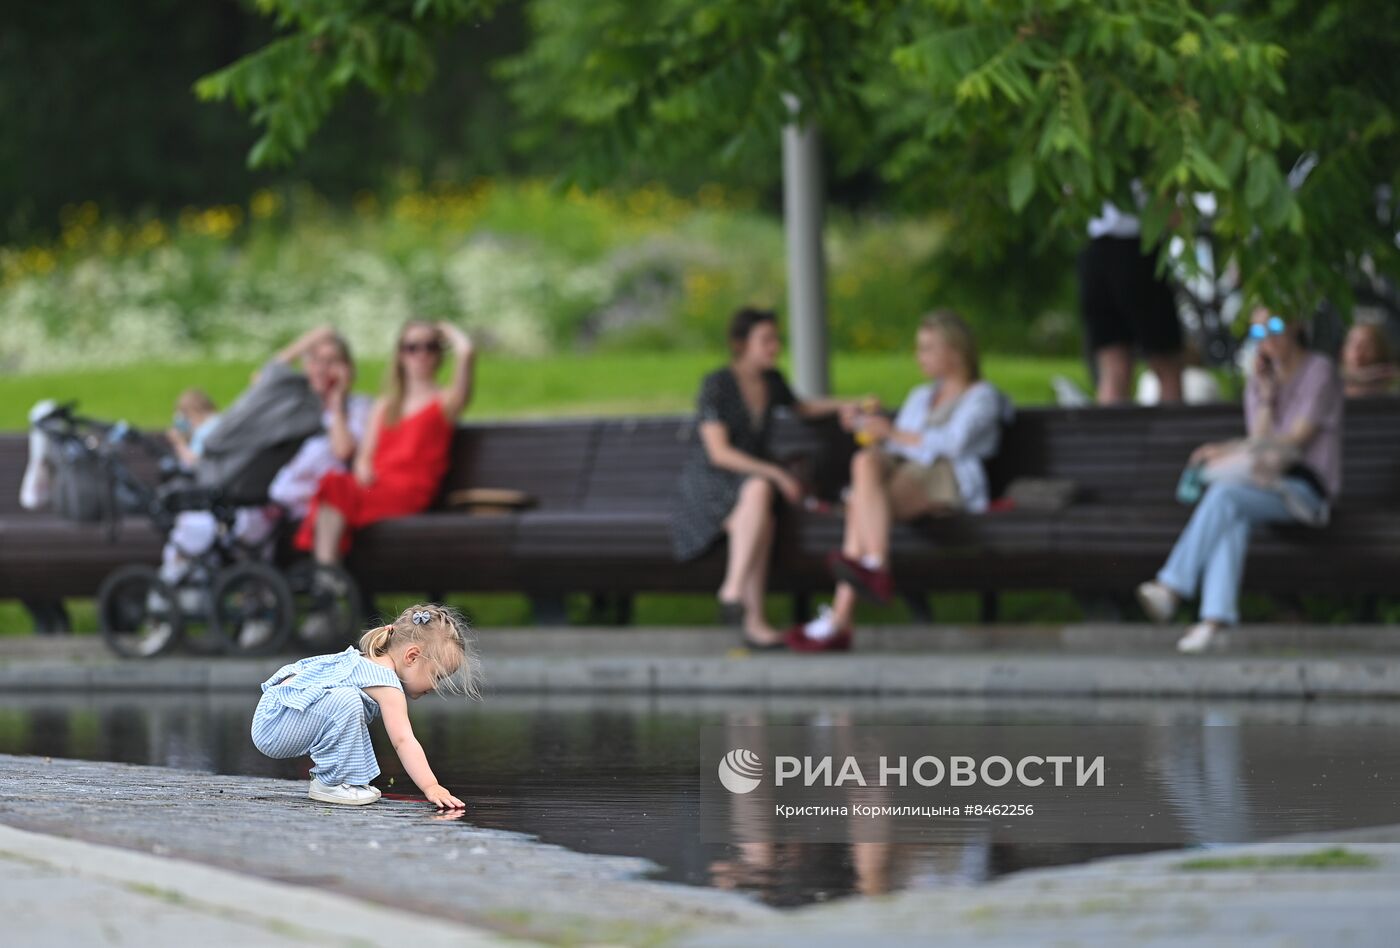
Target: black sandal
752, 646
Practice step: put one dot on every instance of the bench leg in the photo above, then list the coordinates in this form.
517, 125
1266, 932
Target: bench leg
610, 609
920, 606
548, 609
50, 616
373, 611
1100, 607
991, 607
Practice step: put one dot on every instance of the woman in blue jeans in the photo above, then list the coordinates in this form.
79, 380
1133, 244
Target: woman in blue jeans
1288, 470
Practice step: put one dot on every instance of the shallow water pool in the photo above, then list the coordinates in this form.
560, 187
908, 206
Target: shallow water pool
619, 775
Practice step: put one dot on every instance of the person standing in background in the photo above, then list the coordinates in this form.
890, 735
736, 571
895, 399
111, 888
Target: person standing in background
1126, 307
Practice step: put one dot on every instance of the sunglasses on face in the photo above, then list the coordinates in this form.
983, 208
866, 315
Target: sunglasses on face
413, 348
1273, 326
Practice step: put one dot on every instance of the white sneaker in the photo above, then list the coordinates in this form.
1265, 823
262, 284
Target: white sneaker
822, 627
1197, 638
1157, 601
342, 793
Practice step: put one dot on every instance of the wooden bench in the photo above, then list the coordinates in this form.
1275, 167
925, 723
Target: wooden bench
44, 559
604, 489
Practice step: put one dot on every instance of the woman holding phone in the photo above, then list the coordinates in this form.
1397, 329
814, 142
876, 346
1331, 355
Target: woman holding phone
1288, 469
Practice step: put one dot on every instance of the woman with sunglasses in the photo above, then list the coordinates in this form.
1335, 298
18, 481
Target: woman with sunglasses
403, 456
1288, 469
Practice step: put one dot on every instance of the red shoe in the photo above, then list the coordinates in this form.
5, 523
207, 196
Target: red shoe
876, 584
799, 641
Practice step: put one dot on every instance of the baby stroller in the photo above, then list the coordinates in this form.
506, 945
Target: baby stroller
230, 595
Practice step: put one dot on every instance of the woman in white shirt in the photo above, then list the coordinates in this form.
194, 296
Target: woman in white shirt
928, 461
325, 357
330, 371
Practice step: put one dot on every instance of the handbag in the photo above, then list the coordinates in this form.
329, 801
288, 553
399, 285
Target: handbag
1263, 463
1042, 494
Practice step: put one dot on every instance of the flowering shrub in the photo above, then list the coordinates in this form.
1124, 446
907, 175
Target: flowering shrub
526, 268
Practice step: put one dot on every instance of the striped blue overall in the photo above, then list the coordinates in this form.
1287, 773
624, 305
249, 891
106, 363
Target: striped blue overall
316, 706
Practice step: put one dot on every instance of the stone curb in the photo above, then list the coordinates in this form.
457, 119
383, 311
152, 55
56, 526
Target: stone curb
298, 911
984, 674
1103, 638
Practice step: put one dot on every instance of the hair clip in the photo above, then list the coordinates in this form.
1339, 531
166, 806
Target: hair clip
422, 617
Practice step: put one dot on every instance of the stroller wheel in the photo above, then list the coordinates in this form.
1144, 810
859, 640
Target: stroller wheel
251, 609
329, 609
138, 613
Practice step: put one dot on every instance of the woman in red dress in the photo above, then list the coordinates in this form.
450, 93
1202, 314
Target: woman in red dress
401, 461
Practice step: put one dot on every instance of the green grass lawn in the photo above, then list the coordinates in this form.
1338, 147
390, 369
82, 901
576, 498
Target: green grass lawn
601, 384
496, 611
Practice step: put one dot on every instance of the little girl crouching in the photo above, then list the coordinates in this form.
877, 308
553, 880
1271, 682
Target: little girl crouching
322, 705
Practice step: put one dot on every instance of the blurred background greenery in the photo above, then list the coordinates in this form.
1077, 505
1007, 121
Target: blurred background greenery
964, 143
133, 232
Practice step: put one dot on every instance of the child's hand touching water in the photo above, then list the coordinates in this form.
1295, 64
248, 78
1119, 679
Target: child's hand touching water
394, 708
439, 797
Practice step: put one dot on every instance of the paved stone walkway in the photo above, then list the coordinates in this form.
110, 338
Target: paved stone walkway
393, 874
394, 854
1153, 901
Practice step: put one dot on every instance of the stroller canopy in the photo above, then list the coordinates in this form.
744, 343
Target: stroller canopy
258, 434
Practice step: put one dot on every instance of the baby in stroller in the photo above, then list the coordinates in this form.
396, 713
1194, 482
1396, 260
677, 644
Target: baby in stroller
262, 492
205, 540
256, 471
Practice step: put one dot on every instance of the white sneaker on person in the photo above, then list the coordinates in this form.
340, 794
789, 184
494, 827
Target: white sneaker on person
822, 627
1157, 601
1197, 638
343, 793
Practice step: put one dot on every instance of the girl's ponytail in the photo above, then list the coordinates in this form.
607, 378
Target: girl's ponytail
445, 638
376, 641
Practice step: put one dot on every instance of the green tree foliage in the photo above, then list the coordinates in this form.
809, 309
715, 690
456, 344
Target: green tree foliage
326, 49
97, 105
1022, 116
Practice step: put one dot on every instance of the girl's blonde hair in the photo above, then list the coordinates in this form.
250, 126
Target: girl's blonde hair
394, 382
958, 335
445, 638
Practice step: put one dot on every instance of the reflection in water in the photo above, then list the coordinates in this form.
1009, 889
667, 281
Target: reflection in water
1202, 774
869, 863
618, 775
